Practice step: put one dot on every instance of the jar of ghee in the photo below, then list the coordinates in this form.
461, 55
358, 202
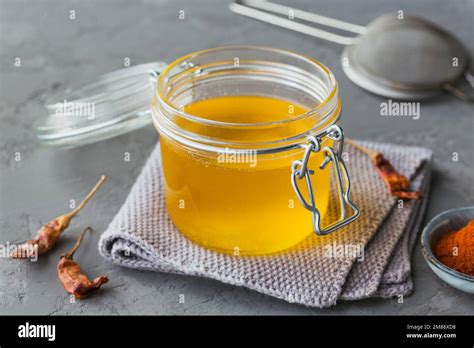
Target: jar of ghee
249, 137
249, 141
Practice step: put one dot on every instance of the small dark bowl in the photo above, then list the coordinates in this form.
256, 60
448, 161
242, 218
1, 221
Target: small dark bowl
451, 220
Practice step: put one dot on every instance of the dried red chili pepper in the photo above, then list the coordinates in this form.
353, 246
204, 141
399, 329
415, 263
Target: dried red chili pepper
71, 276
49, 233
398, 184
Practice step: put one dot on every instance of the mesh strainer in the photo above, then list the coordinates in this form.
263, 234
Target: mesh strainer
396, 55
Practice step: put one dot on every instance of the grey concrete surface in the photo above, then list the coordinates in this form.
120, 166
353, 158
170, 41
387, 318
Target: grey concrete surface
57, 52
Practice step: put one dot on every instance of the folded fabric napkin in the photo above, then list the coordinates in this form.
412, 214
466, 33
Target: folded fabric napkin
315, 272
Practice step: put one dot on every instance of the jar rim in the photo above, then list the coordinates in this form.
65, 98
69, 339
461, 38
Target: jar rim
326, 112
172, 108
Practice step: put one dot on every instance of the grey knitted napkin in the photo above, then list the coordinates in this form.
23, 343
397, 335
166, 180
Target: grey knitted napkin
315, 272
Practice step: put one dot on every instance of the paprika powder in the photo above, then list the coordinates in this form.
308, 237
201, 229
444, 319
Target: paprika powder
456, 249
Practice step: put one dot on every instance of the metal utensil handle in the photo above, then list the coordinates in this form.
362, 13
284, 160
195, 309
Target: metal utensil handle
300, 170
460, 93
249, 8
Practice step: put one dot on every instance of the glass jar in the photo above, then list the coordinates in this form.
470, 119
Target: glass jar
255, 184
249, 140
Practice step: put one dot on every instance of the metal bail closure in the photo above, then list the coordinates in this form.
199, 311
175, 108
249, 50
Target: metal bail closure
300, 170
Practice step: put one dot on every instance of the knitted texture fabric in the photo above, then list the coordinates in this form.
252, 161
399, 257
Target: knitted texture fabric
315, 272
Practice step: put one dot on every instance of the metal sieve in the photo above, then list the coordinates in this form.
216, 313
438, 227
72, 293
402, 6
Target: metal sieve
397, 56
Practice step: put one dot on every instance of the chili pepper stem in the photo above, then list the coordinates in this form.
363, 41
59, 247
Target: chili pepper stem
88, 197
70, 254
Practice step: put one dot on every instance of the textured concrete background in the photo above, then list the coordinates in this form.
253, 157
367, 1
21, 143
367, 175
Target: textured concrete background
57, 52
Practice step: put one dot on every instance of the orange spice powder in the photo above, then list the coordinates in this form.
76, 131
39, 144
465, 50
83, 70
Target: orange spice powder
456, 249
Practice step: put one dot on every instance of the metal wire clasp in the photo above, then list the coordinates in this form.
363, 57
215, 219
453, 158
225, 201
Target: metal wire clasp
300, 170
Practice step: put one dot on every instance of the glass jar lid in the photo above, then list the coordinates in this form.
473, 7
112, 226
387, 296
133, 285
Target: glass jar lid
114, 104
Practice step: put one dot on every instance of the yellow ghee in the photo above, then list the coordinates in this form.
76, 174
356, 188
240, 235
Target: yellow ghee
241, 203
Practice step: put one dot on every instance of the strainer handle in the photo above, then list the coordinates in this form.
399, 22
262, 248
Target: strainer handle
261, 10
469, 97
